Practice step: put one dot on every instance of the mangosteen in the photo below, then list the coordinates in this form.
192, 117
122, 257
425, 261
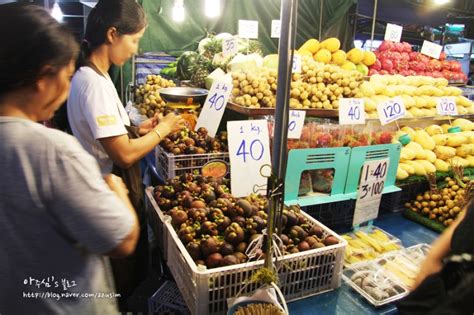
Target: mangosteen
168, 192
178, 217
246, 207
226, 249
209, 228
214, 260
261, 224
316, 230
194, 250
198, 204
215, 214
190, 150
229, 260
187, 201
234, 234
284, 238
208, 196
186, 178
330, 240
209, 245
188, 141
200, 262
254, 237
317, 245
241, 257
223, 223
303, 246
241, 247
240, 221
200, 150
175, 151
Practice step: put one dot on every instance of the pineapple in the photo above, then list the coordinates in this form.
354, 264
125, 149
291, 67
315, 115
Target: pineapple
200, 71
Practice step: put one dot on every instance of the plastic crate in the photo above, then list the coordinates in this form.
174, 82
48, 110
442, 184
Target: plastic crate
156, 219
171, 165
336, 215
302, 274
167, 300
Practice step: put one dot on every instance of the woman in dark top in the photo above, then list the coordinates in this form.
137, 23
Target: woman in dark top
445, 284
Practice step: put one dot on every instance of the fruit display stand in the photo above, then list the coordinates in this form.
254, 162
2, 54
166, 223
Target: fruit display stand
259, 112
301, 274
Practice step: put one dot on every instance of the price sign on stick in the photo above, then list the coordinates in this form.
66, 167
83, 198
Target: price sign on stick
248, 29
295, 126
351, 111
214, 107
276, 28
391, 110
229, 46
446, 106
249, 150
296, 64
393, 32
431, 49
373, 176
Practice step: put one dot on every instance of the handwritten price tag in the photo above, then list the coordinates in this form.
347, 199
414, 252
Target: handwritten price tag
393, 32
249, 150
248, 29
295, 126
296, 64
390, 111
373, 176
431, 49
229, 46
214, 107
447, 106
276, 28
351, 111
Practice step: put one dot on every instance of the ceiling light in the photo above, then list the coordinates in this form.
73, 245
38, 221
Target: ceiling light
178, 11
440, 2
213, 8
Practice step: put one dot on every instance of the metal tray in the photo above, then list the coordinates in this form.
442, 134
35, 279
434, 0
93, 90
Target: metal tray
381, 279
266, 111
186, 95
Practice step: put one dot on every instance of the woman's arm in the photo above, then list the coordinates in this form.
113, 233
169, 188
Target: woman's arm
440, 249
125, 151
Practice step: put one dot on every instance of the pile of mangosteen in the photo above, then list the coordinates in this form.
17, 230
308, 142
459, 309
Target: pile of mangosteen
188, 141
217, 228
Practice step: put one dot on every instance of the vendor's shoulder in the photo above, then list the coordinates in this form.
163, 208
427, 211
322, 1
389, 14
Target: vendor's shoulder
85, 77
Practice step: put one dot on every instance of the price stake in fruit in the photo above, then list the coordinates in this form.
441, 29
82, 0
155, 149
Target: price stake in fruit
229, 46
214, 107
391, 110
446, 106
373, 176
393, 32
276, 28
431, 49
249, 150
248, 29
295, 126
296, 64
351, 111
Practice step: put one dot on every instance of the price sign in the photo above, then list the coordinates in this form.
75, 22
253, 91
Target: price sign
373, 176
393, 32
229, 46
214, 107
390, 111
295, 126
351, 111
249, 150
296, 64
248, 29
447, 106
276, 28
431, 49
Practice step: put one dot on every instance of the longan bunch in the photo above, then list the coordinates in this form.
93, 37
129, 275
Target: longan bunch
148, 99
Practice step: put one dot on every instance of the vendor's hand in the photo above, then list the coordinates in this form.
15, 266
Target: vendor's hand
171, 122
429, 267
148, 125
116, 184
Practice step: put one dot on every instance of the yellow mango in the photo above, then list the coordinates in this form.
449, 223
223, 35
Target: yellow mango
459, 161
441, 166
463, 150
444, 153
462, 110
464, 124
416, 112
445, 127
369, 104
470, 159
434, 130
420, 102
440, 139
402, 174
424, 139
455, 140
409, 130
430, 156
407, 168
429, 167
418, 167
407, 154
418, 149
463, 101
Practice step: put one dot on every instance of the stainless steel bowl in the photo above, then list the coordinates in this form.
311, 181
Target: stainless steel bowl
185, 95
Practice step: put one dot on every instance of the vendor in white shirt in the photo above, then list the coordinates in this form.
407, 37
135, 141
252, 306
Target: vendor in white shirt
100, 123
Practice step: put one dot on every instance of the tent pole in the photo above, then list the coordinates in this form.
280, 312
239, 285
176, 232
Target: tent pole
320, 19
374, 19
288, 17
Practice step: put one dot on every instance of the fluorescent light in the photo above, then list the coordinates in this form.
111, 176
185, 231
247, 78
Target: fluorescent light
213, 8
441, 2
56, 13
178, 11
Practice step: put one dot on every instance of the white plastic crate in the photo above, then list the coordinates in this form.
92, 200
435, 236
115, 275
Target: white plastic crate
174, 165
167, 300
157, 223
206, 291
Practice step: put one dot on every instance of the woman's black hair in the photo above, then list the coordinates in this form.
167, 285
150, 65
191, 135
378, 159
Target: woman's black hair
31, 39
127, 16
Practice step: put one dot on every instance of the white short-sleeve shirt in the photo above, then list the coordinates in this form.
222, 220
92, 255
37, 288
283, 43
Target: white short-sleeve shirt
94, 112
